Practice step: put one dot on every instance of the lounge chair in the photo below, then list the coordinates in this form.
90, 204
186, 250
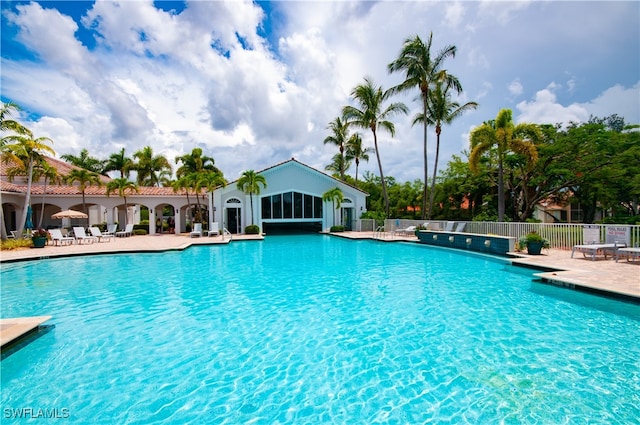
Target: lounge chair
460, 227
594, 249
631, 253
409, 231
82, 237
111, 230
214, 229
95, 232
128, 231
197, 230
449, 226
58, 239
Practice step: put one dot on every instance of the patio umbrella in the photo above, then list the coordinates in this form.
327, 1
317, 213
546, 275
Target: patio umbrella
69, 214
28, 224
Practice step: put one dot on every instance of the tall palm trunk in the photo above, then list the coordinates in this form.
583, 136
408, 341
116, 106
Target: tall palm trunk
500, 190
435, 170
384, 184
426, 164
44, 195
27, 200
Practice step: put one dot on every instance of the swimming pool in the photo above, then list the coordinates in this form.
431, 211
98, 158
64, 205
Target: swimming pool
315, 329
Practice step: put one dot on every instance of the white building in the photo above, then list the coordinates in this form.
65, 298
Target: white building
293, 197
291, 200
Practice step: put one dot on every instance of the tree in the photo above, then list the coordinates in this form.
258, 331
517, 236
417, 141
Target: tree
250, 182
49, 174
441, 109
119, 162
356, 152
504, 136
192, 165
86, 161
210, 181
339, 164
9, 125
122, 186
338, 137
371, 115
335, 196
85, 178
422, 71
150, 168
194, 162
25, 151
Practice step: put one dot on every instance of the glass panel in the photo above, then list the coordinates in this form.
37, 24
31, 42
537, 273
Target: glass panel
276, 201
317, 207
308, 206
266, 207
287, 205
297, 205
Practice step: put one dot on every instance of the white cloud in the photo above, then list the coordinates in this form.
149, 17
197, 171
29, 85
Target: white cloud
205, 77
515, 87
544, 109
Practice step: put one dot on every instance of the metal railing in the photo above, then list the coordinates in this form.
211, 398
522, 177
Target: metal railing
560, 236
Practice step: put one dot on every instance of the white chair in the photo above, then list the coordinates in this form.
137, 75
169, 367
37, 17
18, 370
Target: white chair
197, 230
214, 229
111, 229
82, 237
58, 239
95, 232
128, 231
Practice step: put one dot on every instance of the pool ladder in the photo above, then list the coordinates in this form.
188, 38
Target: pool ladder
379, 233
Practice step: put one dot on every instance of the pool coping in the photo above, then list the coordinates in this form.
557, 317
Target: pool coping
14, 329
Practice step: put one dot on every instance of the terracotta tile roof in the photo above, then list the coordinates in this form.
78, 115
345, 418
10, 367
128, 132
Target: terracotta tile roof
37, 188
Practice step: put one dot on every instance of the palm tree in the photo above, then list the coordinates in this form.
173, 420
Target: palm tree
85, 178
421, 71
25, 151
122, 186
335, 196
338, 165
210, 181
340, 131
194, 162
441, 109
150, 167
119, 162
10, 125
86, 161
250, 182
356, 152
50, 174
372, 115
505, 136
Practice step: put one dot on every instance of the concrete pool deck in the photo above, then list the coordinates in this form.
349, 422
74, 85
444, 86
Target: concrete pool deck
556, 266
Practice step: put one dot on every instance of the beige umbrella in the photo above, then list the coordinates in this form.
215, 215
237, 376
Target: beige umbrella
69, 214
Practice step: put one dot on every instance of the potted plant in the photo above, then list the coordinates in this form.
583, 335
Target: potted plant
39, 238
533, 242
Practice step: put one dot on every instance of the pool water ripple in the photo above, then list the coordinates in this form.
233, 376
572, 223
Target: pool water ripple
317, 330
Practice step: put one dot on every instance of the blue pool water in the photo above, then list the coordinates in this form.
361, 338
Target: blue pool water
315, 329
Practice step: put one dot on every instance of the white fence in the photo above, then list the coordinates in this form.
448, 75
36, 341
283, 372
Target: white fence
560, 236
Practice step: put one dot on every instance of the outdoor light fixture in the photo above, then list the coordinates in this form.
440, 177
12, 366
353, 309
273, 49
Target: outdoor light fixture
487, 243
451, 239
468, 241
435, 237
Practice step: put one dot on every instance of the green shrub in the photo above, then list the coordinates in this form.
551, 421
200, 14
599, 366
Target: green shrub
336, 229
252, 229
139, 232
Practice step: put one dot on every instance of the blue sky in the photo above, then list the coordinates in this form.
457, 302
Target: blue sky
254, 84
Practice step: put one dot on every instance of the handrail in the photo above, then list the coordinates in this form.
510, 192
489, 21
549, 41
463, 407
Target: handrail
225, 231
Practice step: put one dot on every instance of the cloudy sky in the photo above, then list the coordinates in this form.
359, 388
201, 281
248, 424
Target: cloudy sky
254, 84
